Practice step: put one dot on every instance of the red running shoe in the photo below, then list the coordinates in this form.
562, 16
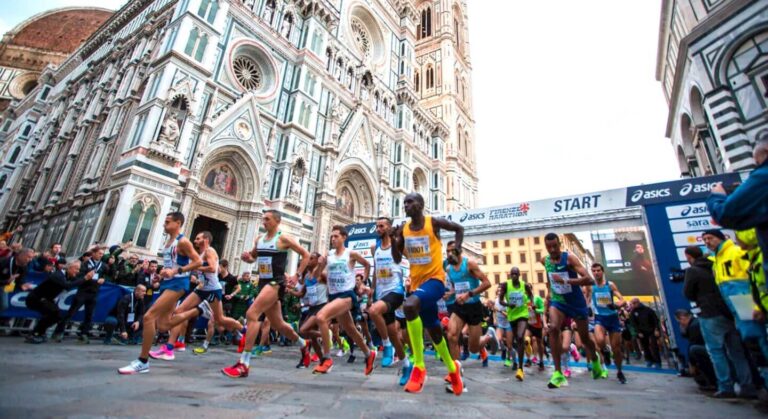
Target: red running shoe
238, 370
305, 358
179, 346
416, 383
370, 362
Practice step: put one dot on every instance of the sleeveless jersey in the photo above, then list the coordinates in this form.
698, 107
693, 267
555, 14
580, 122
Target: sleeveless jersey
564, 293
341, 277
317, 292
519, 298
501, 315
270, 260
211, 279
462, 280
389, 275
424, 252
173, 260
601, 297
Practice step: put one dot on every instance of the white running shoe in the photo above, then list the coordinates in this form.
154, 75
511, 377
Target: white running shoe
206, 307
135, 367
494, 341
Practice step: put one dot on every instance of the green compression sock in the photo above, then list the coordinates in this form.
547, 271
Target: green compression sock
445, 355
416, 333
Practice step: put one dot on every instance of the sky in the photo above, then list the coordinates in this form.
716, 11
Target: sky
564, 94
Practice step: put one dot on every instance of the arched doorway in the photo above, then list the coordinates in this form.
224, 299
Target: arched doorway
354, 198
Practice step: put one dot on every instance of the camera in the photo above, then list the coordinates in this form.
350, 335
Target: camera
677, 275
731, 187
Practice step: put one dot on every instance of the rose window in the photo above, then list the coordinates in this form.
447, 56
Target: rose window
247, 72
361, 37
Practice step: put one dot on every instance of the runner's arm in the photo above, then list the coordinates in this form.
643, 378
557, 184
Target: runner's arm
398, 244
187, 249
616, 292
357, 257
503, 296
249, 256
584, 279
211, 260
291, 243
373, 280
474, 270
442, 223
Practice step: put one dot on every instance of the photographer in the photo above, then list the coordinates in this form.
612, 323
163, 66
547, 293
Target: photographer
43, 298
126, 316
698, 358
87, 292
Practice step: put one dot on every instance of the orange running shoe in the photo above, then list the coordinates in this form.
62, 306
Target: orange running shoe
325, 366
456, 382
370, 362
416, 383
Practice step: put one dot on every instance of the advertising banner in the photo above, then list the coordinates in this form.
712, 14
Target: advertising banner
627, 262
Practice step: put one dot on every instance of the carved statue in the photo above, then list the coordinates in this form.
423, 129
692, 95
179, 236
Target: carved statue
295, 189
170, 130
384, 144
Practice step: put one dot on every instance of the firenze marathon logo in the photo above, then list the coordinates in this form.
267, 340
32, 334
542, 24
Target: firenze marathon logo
510, 212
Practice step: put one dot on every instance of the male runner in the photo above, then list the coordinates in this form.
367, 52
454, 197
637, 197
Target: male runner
503, 329
536, 323
342, 299
468, 283
314, 295
566, 276
271, 255
516, 300
209, 290
179, 259
419, 241
607, 318
389, 294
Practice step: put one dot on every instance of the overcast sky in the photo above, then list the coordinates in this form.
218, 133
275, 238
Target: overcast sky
565, 99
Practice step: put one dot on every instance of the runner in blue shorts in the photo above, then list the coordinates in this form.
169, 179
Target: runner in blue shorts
607, 320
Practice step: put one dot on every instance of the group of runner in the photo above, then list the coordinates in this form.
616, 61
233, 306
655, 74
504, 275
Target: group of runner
399, 306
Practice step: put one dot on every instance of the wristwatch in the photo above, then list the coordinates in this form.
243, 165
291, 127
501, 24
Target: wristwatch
179, 270
471, 293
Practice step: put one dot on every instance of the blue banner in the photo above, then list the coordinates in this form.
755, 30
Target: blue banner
109, 295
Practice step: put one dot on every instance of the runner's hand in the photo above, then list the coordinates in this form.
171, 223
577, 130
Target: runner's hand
462, 298
167, 273
557, 278
247, 257
758, 316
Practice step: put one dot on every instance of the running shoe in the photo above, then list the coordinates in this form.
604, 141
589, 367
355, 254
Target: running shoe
463, 356
163, 353
575, 353
83, 339
558, 380
200, 350
535, 360
541, 365
597, 370
325, 366
457, 383
340, 353
266, 350
405, 373
604, 373
388, 357
256, 351
135, 367
567, 373
314, 358
206, 307
621, 377
305, 356
239, 370
179, 346
35, 339
351, 359
520, 375
370, 362
494, 341
345, 345
528, 363
484, 357
416, 380
57, 337
507, 363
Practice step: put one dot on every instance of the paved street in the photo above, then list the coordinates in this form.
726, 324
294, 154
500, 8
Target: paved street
71, 380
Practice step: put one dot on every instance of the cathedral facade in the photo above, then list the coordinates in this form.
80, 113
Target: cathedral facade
328, 111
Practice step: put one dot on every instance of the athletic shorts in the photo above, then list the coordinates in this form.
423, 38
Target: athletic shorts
174, 284
209, 296
576, 313
566, 326
355, 310
513, 324
310, 312
275, 282
502, 323
535, 331
451, 308
470, 313
429, 293
610, 323
393, 300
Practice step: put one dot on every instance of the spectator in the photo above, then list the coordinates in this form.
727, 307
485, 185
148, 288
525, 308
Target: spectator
229, 282
8, 235
5, 251
747, 206
43, 298
698, 358
242, 295
87, 294
127, 271
148, 276
56, 252
40, 264
700, 286
748, 241
646, 323
12, 271
126, 316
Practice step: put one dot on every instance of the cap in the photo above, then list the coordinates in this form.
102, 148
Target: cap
715, 232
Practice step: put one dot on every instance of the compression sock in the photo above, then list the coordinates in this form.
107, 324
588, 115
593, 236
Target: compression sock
144, 360
416, 333
445, 355
245, 358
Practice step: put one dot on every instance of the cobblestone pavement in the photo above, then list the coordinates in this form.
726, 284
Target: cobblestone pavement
71, 380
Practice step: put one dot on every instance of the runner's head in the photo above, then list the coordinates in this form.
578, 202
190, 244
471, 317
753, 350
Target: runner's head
338, 236
413, 204
271, 220
383, 226
203, 240
683, 317
552, 243
514, 273
598, 271
173, 223
454, 254
529, 291
314, 259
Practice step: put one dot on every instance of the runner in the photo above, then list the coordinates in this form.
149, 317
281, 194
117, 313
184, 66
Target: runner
314, 294
536, 324
566, 276
389, 294
504, 329
419, 241
179, 259
365, 299
402, 333
342, 300
516, 300
271, 255
209, 291
607, 318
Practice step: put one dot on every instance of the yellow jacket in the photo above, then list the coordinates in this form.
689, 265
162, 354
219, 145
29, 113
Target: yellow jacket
729, 263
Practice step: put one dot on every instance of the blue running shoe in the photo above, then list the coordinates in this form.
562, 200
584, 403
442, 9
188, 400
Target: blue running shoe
406, 374
388, 358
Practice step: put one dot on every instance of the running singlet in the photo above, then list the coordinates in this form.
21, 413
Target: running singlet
602, 296
317, 292
462, 281
501, 315
211, 279
389, 276
270, 261
564, 293
173, 260
448, 287
340, 277
517, 298
424, 252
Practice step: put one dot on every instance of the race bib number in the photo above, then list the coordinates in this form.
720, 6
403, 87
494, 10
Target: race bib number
558, 288
461, 287
603, 298
131, 317
516, 299
418, 250
384, 274
336, 275
312, 295
265, 267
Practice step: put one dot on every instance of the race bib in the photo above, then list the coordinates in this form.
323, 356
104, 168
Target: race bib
531, 313
461, 287
559, 288
131, 317
337, 275
603, 298
418, 250
265, 267
384, 274
312, 295
516, 299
